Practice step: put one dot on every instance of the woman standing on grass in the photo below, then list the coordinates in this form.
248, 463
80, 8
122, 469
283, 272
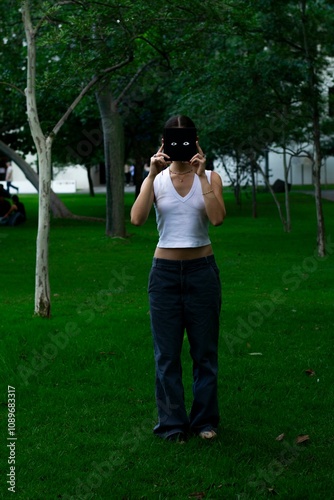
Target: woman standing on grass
184, 286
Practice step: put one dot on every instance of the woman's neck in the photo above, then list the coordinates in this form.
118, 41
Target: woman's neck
180, 166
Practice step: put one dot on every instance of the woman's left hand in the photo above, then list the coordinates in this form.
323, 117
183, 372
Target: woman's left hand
198, 161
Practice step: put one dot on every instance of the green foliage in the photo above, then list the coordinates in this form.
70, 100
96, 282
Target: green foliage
233, 67
86, 409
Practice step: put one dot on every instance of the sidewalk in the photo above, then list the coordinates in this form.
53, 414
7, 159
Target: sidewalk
102, 189
25, 187
326, 194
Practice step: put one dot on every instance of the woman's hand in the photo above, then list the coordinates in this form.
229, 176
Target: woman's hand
142, 206
198, 161
159, 161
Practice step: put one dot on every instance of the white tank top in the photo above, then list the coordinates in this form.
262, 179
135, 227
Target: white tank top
181, 220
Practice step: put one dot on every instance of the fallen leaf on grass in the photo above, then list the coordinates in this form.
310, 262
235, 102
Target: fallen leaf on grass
280, 437
310, 372
302, 438
272, 491
197, 495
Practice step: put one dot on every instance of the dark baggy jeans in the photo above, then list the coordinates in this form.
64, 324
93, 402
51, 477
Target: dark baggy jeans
185, 295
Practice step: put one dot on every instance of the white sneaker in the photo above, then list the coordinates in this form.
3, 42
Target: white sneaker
208, 434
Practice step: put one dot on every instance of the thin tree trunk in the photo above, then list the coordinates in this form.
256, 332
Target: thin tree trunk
43, 147
254, 201
317, 188
316, 173
266, 180
42, 284
90, 180
237, 193
287, 196
237, 185
114, 161
139, 167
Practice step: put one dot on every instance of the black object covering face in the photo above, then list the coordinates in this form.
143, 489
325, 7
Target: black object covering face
180, 143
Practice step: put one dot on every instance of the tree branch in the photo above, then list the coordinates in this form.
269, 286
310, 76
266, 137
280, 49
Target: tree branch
84, 91
161, 52
14, 87
46, 16
133, 79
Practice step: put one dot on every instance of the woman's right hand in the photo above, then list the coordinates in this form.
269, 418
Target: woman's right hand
159, 162
142, 206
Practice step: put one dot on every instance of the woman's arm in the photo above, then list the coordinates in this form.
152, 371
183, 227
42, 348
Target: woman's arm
212, 193
143, 204
213, 198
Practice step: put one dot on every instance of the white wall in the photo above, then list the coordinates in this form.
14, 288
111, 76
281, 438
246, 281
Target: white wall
74, 178
300, 172
66, 180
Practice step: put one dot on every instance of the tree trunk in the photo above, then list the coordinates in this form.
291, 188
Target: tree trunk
316, 172
90, 180
314, 92
58, 208
254, 201
139, 167
42, 285
237, 193
270, 189
43, 148
237, 185
287, 196
113, 137
317, 187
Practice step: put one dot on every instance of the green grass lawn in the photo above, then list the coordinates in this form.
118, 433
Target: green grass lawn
84, 380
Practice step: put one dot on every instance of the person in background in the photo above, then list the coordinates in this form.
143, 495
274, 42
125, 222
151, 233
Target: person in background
16, 213
9, 177
132, 174
146, 169
3, 192
127, 174
4, 206
184, 287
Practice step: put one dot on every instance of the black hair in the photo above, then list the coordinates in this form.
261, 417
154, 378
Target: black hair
15, 198
179, 121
